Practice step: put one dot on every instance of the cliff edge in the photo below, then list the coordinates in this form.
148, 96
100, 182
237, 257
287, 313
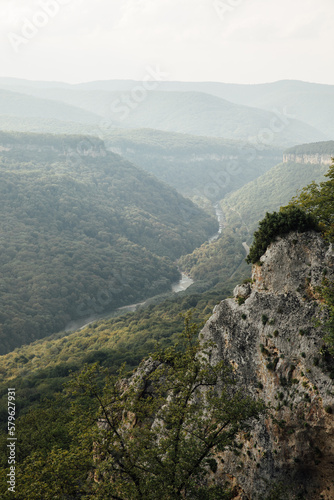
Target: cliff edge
271, 332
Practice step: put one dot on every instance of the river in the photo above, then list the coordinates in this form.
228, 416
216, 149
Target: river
177, 287
221, 221
180, 286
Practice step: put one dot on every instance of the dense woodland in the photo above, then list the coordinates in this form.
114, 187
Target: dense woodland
81, 234
64, 449
84, 232
198, 167
313, 148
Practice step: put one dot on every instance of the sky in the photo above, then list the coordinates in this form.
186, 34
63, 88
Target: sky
233, 41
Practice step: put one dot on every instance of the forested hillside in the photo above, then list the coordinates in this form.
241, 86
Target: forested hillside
198, 167
246, 206
40, 369
223, 259
313, 148
82, 234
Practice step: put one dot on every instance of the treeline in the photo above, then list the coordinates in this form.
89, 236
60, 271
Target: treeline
57, 455
326, 147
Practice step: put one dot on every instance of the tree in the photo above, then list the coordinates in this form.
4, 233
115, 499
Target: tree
318, 200
291, 218
159, 431
153, 435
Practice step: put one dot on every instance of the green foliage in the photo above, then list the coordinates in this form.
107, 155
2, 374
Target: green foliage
222, 261
269, 192
321, 148
264, 319
192, 164
318, 200
81, 234
161, 427
279, 224
151, 436
40, 369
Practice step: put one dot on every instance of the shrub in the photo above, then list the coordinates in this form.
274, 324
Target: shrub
276, 224
264, 319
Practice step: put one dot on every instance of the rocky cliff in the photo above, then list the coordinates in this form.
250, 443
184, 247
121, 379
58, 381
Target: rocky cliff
315, 159
271, 333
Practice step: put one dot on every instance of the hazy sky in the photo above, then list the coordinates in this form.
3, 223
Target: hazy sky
240, 41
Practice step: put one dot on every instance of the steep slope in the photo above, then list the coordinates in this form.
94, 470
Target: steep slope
246, 206
81, 232
195, 166
205, 167
269, 333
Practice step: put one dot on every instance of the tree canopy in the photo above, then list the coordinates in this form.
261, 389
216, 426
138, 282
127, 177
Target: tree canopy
278, 224
318, 200
81, 234
153, 435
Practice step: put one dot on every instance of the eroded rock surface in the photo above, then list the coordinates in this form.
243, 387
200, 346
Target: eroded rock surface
273, 338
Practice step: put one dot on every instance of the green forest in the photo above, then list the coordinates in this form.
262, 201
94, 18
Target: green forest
313, 148
82, 232
64, 450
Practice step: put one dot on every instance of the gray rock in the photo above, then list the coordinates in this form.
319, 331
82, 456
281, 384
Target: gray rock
242, 291
273, 341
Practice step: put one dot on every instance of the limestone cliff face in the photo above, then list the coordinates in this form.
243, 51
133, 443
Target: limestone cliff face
315, 159
270, 334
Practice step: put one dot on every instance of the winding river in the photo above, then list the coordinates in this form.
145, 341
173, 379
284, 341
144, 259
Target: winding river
180, 286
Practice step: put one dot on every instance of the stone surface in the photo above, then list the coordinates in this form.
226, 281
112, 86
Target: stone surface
315, 159
273, 340
242, 291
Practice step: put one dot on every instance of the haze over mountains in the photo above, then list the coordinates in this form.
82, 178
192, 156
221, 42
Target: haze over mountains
285, 117
215, 143
108, 193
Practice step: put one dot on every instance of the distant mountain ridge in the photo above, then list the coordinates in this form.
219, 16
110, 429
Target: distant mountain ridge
180, 107
22, 105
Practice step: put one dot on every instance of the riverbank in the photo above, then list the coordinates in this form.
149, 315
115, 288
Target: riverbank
180, 286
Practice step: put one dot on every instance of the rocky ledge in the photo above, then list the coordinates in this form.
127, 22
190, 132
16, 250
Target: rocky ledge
271, 333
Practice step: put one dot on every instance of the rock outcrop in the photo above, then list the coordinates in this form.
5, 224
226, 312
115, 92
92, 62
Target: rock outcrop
272, 334
315, 159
